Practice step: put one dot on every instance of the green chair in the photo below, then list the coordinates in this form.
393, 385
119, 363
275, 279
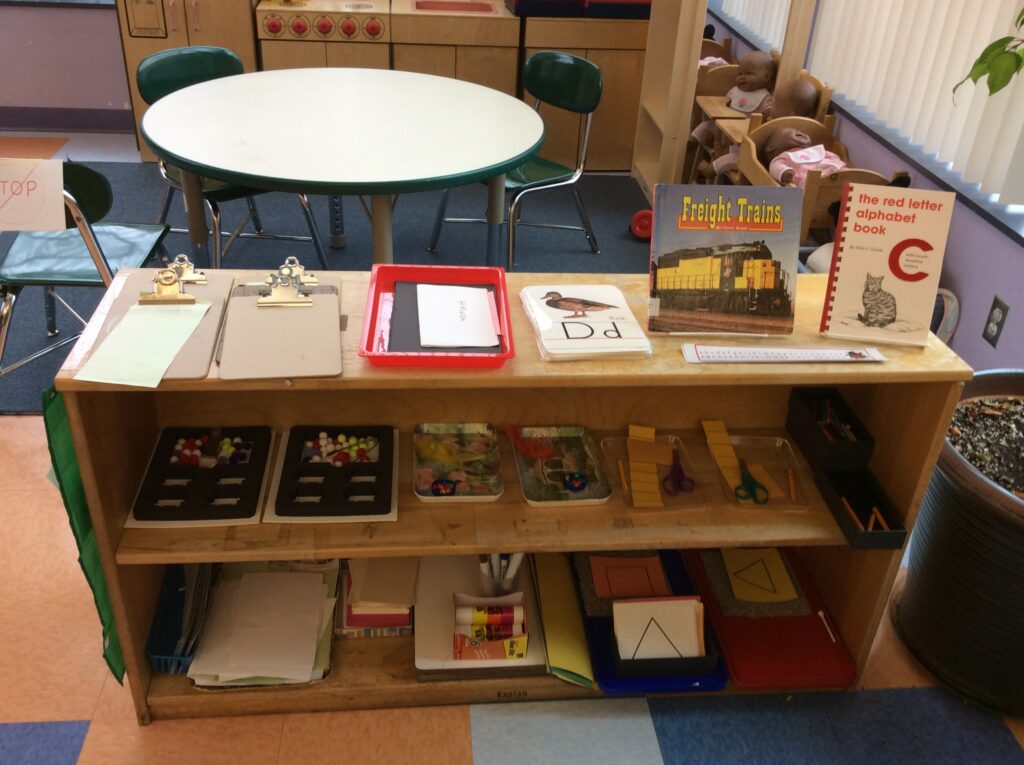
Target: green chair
163, 73
565, 82
85, 254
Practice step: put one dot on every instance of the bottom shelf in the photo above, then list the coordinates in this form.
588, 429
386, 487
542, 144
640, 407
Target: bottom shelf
368, 673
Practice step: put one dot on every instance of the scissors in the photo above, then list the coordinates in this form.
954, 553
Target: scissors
676, 480
749, 487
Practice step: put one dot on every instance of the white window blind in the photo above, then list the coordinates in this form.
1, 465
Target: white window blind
765, 18
899, 59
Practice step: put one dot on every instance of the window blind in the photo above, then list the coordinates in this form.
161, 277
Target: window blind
765, 18
899, 59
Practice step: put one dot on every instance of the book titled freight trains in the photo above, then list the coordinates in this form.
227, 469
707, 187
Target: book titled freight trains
723, 259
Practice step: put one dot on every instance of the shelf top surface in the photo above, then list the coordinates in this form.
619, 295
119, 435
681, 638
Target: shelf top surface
934, 362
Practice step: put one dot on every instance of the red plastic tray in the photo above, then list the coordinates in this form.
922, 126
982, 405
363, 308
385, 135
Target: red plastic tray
382, 285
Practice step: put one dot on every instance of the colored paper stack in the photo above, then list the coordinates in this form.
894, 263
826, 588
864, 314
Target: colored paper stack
377, 597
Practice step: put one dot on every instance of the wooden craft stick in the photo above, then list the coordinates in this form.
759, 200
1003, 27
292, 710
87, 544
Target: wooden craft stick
871, 522
765, 479
876, 513
792, 484
622, 476
852, 514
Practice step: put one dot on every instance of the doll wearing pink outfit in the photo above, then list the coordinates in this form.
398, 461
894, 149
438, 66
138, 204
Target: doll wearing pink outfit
790, 157
752, 92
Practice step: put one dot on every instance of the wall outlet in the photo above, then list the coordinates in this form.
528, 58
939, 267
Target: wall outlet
994, 321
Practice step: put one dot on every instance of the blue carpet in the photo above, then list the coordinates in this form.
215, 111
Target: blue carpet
46, 743
138, 191
904, 726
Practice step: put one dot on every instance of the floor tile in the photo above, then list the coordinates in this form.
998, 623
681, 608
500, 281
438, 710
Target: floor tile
382, 737
912, 725
24, 457
606, 731
116, 737
43, 743
890, 663
85, 147
50, 642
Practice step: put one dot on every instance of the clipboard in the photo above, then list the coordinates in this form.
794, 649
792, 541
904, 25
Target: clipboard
261, 342
193, 360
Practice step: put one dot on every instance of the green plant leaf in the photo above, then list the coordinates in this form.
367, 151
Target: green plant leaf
993, 50
1020, 18
1001, 70
977, 72
1020, 59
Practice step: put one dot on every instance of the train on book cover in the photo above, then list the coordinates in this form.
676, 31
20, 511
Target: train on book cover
742, 278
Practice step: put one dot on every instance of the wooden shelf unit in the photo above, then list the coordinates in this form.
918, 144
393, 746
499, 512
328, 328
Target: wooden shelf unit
906, 402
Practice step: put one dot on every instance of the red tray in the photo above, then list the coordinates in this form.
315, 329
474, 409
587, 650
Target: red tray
382, 288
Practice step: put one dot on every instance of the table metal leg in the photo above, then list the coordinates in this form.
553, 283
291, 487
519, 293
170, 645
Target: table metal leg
380, 219
495, 217
337, 224
198, 233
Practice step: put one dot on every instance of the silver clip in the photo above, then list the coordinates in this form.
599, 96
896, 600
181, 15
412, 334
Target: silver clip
288, 287
166, 290
186, 271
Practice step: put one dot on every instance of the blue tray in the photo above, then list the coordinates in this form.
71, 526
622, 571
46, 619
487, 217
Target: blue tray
166, 626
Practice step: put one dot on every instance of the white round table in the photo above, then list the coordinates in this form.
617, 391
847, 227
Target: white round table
343, 131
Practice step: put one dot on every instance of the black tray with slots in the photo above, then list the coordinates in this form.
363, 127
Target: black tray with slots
321, 488
861, 491
180, 492
833, 451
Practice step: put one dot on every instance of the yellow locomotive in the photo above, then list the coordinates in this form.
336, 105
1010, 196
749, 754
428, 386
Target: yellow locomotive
731, 278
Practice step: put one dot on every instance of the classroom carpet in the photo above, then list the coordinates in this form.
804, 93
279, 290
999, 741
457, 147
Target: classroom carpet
138, 191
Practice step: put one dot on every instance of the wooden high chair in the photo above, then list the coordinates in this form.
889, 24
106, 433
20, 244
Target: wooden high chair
714, 48
824, 98
710, 82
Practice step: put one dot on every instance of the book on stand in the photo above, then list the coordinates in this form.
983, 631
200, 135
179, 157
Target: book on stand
886, 263
583, 321
724, 259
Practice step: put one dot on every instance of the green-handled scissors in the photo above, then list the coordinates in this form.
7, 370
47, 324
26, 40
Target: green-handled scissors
749, 487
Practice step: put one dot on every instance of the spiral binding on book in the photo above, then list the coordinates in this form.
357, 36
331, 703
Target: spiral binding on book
837, 257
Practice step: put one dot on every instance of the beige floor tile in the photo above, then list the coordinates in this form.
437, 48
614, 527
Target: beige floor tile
890, 664
24, 458
50, 641
115, 737
383, 737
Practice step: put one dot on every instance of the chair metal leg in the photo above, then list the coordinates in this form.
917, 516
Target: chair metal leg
165, 208
587, 228
438, 222
337, 224
50, 309
314, 234
7, 297
257, 222
512, 221
215, 224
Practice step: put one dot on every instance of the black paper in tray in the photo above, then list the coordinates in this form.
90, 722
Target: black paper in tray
357, 488
177, 492
405, 322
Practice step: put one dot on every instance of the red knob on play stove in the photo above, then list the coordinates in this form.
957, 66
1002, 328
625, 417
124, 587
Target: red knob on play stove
299, 26
349, 27
373, 28
274, 26
324, 26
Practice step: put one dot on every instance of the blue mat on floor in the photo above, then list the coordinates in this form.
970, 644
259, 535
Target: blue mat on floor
907, 725
138, 190
45, 743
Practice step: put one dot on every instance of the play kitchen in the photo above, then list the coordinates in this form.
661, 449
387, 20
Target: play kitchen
318, 33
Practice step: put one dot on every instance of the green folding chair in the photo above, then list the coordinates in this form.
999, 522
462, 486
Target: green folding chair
85, 254
565, 82
165, 72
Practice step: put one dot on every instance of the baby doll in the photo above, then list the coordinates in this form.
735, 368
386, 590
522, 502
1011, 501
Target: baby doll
752, 92
796, 98
789, 156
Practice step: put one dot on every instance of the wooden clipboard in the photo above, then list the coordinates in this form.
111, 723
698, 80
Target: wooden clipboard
193, 360
282, 341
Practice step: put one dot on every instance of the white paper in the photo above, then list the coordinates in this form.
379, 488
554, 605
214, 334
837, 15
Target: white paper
454, 317
142, 346
658, 628
31, 195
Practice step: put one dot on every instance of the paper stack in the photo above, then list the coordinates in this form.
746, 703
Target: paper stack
377, 597
269, 624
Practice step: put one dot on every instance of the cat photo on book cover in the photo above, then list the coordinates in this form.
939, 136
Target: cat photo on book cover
879, 310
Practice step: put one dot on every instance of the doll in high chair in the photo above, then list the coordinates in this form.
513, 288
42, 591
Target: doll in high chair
789, 157
752, 92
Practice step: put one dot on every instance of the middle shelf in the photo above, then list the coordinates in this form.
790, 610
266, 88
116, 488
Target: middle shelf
508, 524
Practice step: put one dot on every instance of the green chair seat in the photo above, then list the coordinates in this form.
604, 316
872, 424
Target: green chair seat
536, 172
61, 257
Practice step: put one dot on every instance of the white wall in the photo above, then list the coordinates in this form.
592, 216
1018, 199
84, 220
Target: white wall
66, 58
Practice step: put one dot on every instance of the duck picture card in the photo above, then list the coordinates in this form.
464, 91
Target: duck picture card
577, 321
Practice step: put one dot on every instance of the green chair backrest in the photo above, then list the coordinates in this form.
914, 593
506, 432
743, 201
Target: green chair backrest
169, 70
563, 80
91, 191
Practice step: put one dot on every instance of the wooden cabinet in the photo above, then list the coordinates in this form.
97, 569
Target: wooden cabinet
617, 47
666, 95
148, 27
906, 402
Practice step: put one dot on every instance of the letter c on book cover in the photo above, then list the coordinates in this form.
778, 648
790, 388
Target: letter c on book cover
897, 252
